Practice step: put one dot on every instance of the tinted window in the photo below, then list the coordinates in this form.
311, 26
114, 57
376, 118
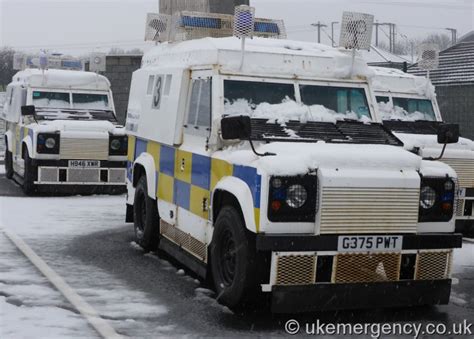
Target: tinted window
338, 99
200, 104
256, 93
51, 99
383, 99
421, 108
90, 101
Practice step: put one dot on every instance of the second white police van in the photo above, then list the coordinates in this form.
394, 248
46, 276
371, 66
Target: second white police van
272, 179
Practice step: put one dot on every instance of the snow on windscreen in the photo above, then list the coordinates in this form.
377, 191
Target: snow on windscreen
51, 99
90, 101
406, 109
277, 103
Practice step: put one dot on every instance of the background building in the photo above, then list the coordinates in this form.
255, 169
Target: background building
454, 81
213, 6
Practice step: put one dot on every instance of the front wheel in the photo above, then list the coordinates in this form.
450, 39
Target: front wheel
145, 218
233, 260
29, 176
8, 163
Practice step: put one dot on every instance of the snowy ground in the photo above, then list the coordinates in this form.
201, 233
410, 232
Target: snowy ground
85, 240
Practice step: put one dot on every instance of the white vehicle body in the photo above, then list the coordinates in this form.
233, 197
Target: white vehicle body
363, 187
418, 130
75, 109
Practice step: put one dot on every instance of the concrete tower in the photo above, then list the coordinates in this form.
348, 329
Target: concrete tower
212, 6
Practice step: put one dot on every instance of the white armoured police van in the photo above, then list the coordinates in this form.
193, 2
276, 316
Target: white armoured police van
408, 107
270, 177
62, 133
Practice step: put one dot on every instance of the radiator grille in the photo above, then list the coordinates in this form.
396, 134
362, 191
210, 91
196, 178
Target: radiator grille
184, 240
465, 170
433, 265
369, 210
117, 176
296, 270
84, 149
355, 268
83, 175
459, 207
48, 174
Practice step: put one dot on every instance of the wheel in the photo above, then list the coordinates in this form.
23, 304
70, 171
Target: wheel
8, 163
29, 176
233, 261
146, 218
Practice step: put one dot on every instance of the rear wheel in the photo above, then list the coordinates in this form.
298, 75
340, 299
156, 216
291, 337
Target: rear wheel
233, 260
145, 217
29, 176
8, 163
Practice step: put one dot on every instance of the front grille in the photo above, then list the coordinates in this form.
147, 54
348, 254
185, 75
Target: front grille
117, 176
48, 174
465, 170
184, 240
349, 268
369, 210
296, 270
433, 265
367, 268
459, 207
83, 175
84, 149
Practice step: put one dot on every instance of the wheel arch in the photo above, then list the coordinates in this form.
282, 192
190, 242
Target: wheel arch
28, 144
145, 164
235, 192
8, 140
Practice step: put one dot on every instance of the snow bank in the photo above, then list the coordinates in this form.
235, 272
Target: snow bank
288, 110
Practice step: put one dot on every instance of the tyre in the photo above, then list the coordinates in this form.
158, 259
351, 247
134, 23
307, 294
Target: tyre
8, 163
146, 218
29, 176
233, 261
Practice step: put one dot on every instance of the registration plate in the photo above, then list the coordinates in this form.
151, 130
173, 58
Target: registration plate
84, 163
370, 243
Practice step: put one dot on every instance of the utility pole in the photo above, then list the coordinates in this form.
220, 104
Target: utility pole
332, 32
454, 35
319, 25
377, 25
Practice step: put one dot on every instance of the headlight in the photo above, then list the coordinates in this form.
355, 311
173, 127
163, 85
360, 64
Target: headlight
427, 197
115, 144
118, 145
50, 143
296, 196
292, 199
436, 199
47, 143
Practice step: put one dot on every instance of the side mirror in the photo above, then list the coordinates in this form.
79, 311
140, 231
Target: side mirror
238, 127
28, 110
448, 134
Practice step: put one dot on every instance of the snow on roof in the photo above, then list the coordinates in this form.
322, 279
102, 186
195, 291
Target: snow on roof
62, 79
394, 80
377, 55
262, 56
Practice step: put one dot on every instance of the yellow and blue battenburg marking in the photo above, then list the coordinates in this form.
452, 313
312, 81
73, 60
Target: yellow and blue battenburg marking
187, 179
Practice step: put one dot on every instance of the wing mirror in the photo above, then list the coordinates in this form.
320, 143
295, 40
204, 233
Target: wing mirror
238, 127
28, 110
448, 134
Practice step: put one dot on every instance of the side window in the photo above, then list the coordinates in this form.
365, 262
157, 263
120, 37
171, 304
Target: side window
385, 100
151, 82
199, 112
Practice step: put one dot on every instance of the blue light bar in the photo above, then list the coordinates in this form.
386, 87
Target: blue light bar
74, 64
267, 27
201, 22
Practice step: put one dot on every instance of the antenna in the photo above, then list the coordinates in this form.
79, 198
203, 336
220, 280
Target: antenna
97, 62
356, 32
428, 57
244, 25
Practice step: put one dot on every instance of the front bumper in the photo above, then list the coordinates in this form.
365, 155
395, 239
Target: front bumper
326, 297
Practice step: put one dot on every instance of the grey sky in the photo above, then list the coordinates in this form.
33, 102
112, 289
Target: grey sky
79, 26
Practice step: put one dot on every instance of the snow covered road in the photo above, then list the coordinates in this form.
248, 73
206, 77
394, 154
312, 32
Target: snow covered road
85, 240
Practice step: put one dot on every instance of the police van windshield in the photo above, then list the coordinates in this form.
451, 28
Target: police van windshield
277, 101
406, 109
72, 106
